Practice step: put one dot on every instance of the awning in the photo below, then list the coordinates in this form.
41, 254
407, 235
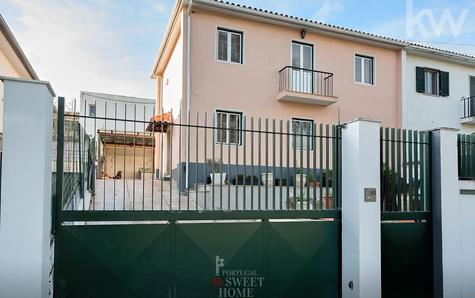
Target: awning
160, 123
109, 137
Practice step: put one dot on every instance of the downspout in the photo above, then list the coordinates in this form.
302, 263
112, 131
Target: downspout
188, 78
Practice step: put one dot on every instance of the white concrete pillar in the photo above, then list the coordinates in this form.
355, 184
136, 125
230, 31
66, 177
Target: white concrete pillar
446, 214
361, 218
25, 217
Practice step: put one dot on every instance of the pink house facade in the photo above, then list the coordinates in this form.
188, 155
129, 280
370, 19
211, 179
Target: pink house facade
234, 63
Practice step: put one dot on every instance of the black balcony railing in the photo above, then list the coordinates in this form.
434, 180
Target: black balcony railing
303, 80
468, 104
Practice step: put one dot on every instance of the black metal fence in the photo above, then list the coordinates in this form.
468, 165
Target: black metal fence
466, 156
310, 81
210, 162
405, 170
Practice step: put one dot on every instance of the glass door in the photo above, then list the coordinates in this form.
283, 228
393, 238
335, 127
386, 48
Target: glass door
302, 67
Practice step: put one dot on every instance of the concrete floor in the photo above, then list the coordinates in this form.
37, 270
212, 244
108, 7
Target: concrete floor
148, 194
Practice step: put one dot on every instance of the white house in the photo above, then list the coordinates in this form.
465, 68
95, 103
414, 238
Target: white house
439, 90
13, 63
101, 106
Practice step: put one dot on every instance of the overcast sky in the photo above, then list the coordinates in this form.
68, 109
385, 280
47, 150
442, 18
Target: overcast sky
110, 45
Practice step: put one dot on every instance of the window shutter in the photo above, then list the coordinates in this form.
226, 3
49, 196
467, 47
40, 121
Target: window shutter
420, 81
444, 83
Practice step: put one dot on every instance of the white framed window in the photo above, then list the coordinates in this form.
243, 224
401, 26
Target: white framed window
92, 110
229, 127
364, 69
431, 81
303, 133
229, 46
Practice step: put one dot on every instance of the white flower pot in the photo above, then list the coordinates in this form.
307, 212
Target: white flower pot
300, 180
218, 178
267, 179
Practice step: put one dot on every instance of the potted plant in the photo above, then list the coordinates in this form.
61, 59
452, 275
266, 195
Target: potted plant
313, 182
300, 179
267, 179
217, 177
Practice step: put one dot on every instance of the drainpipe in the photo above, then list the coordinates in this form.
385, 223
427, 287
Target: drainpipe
188, 76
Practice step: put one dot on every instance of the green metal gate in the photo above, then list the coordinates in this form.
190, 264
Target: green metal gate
406, 228
254, 236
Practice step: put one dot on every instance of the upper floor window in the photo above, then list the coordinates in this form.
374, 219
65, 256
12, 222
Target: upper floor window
364, 69
92, 110
432, 81
229, 45
229, 127
302, 130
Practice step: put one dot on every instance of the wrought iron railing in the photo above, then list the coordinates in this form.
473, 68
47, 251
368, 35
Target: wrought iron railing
303, 80
468, 107
466, 156
405, 170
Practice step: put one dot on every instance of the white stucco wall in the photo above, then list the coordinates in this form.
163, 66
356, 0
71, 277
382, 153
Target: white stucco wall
172, 82
467, 228
422, 111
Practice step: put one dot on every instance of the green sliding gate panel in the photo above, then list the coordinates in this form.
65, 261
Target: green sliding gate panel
232, 259
406, 259
115, 261
304, 259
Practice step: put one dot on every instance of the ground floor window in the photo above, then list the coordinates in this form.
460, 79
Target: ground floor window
229, 125
303, 130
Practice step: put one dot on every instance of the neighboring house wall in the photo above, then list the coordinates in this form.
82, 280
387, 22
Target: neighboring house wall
132, 109
421, 111
7, 70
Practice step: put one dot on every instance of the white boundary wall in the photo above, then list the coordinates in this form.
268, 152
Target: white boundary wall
25, 218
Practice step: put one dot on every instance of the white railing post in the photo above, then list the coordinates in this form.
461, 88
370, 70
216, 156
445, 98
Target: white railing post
25, 218
361, 218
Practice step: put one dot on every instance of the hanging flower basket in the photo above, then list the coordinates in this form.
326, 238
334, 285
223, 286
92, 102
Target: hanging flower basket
160, 123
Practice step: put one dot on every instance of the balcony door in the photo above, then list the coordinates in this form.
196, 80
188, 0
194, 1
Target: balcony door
302, 67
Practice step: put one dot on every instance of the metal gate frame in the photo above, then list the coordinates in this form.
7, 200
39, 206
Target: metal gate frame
65, 223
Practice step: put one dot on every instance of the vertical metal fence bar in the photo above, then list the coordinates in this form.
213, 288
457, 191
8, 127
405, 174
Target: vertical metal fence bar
161, 162
334, 170
288, 165
308, 172
213, 153
125, 154
142, 174
422, 171
236, 178
327, 165
115, 152
197, 160
273, 164
404, 170
321, 165
314, 146
393, 171
171, 163
244, 156
410, 167
205, 151
259, 126
266, 189
228, 144
280, 162
302, 182
416, 172
252, 163
398, 169
387, 171
103, 159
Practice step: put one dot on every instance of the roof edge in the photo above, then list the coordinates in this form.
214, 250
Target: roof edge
16, 48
